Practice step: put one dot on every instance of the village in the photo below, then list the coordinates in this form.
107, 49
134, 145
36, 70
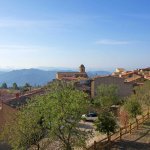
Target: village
125, 81
74, 75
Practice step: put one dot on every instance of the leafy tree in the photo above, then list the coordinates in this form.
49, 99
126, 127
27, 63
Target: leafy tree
15, 86
142, 94
25, 88
106, 123
4, 85
107, 95
67, 105
27, 85
55, 115
26, 129
133, 107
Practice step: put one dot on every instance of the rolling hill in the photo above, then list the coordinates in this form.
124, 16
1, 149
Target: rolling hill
35, 76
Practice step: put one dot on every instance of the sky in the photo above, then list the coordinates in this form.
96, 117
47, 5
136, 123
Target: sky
101, 34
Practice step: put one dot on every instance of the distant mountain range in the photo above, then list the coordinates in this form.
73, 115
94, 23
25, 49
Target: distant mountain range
36, 76
1, 72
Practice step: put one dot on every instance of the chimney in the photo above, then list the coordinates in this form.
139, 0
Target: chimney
17, 95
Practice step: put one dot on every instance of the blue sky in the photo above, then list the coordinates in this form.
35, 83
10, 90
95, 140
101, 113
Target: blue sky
102, 34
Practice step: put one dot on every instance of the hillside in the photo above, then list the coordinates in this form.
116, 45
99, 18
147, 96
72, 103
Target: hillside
32, 76
138, 140
96, 73
1, 72
35, 76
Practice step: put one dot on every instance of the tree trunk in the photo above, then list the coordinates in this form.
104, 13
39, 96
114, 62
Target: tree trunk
68, 146
109, 141
137, 123
38, 146
148, 112
108, 136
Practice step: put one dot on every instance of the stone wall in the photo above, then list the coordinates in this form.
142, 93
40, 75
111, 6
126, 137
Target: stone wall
124, 89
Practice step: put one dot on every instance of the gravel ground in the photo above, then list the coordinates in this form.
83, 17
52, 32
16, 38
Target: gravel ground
138, 140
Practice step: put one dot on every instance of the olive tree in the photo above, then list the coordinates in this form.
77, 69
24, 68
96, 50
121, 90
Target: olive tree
25, 129
4, 85
106, 123
66, 107
107, 95
55, 115
15, 86
142, 94
133, 107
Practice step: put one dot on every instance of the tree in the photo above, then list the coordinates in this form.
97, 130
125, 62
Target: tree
27, 85
4, 85
107, 95
15, 86
142, 94
25, 129
67, 105
55, 115
26, 88
106, 123
133, 107
124, 117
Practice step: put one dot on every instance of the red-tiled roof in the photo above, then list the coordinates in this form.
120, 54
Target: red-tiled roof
147, 77
105, 76
71, 73
22, 99
148, 68
131, 79
127, 73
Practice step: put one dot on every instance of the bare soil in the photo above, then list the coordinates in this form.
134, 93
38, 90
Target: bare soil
138, 140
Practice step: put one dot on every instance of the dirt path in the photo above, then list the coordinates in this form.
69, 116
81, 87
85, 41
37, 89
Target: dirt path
138, 140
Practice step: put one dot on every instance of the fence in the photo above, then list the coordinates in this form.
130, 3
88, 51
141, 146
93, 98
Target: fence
106, 142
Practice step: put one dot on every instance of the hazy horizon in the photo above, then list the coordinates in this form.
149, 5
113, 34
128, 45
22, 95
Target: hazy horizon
59, 68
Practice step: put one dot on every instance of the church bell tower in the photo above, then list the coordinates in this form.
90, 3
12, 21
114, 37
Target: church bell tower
82, 68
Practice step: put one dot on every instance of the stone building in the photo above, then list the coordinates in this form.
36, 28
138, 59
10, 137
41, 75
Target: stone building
118, 71
72, 75
10, 107
135, 77
124, 89
144, 71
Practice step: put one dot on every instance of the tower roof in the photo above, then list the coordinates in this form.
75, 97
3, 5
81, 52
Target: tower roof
81, 65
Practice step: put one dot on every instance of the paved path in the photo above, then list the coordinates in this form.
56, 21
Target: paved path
138, 140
